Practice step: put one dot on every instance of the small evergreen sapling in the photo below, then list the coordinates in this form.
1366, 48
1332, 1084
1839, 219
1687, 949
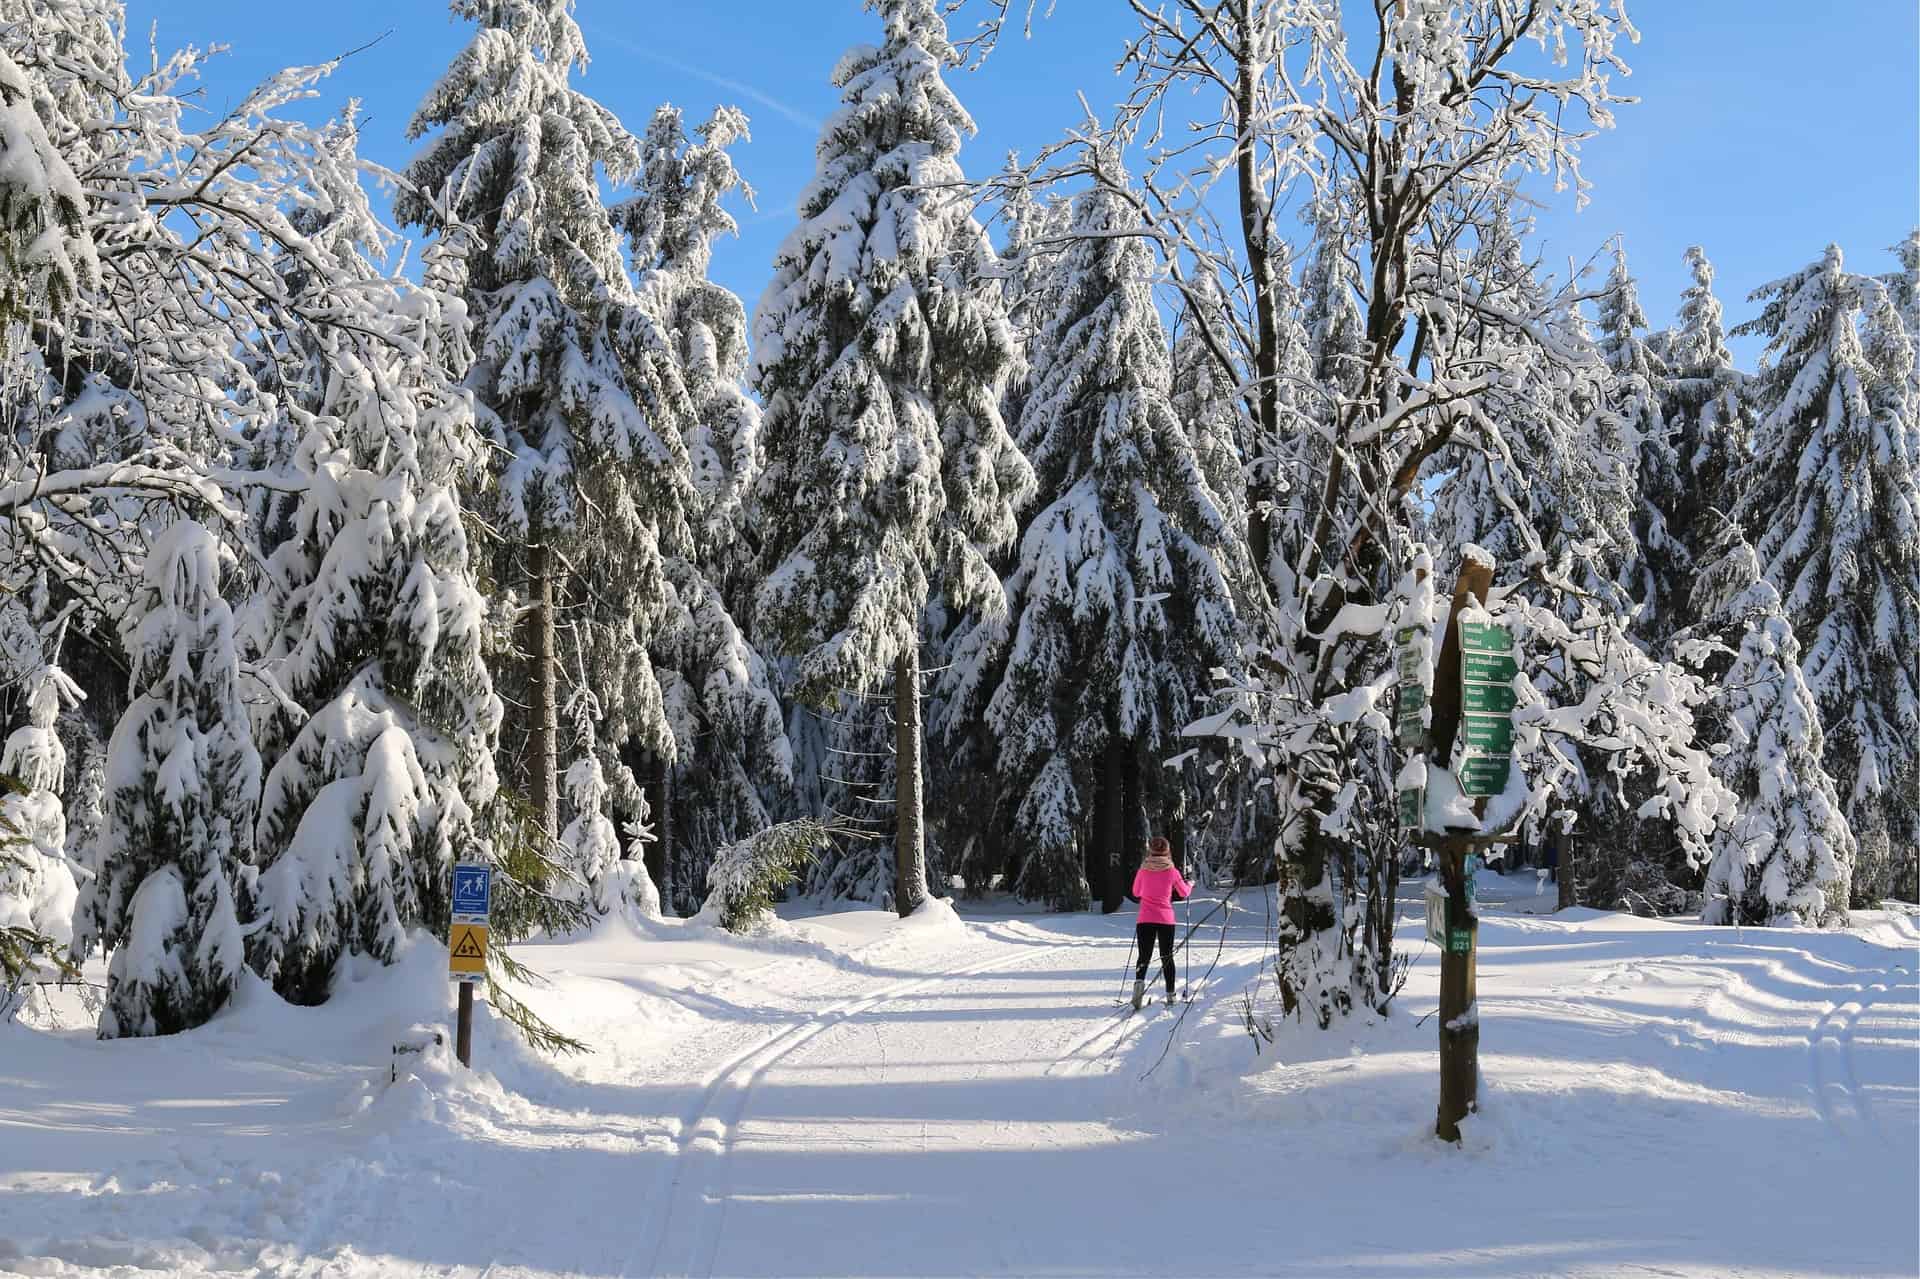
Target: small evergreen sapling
183, 785
748, 876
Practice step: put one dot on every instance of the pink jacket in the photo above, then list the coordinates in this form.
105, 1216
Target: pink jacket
1155, 890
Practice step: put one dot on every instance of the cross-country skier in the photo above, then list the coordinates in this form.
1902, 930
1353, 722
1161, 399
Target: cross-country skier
1156, 886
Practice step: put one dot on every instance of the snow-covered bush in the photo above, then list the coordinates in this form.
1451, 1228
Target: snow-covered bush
748, 876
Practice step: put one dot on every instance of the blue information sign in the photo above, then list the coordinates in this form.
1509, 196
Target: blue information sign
472, 890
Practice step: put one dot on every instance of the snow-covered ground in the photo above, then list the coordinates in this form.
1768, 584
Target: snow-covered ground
955, 1095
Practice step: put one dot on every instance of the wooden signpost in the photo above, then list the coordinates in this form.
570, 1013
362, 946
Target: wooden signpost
1472, 700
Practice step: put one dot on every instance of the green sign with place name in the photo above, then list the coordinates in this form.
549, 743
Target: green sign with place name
1493, 668
1482, 775
1492, 734
1497, 699
1409, 725
1487, 637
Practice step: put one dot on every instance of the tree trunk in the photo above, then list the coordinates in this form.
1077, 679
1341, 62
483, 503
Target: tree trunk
660, 801
1563, 869
1255, 230
543, 738
909, 845
1113, 823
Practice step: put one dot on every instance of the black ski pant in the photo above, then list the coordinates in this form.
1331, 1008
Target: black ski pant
1144, 937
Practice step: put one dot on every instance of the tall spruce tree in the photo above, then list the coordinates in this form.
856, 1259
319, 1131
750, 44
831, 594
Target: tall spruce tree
1121, 603
880, 355
593, 476
1829, 498
1702, 404
729, 738
1659, 570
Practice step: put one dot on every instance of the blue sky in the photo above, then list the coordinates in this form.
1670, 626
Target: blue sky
1767, 128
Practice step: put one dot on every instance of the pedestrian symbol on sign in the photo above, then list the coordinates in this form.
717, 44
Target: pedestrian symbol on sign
472, 891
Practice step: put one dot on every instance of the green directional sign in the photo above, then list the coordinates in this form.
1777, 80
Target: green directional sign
1408, 727
1406, 635
1482, 774
1496, 699
1490, 734
1487, 637
1413, 804
1412, 697
1494, 668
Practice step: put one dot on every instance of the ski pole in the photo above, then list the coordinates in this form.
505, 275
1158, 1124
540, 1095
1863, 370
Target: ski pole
1124, 967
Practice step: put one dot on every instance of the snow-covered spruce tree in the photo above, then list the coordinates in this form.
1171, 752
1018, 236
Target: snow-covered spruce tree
183, 786
1120, 599
1829, 498
1701, 406
730, 741
37, 884
1905, 283
880, 354
591, 842
1782, 857
1036, 235
591, 480
1658, 572
372, 627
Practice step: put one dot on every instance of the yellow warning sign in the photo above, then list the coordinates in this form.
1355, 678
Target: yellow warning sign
467, 951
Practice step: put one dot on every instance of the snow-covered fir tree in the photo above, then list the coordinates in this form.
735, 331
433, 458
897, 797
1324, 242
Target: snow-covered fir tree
1205, 397
880, 354
1782, 860
1702, 403
371, 626
1659, 570
1036, 235
183, 788
1829, 498
1120, 604
729, 738
593, 479
38, 888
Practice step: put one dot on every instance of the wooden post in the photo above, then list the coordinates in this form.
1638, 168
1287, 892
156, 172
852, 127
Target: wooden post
463, 1031
909, 846
1563, 869
1111, 819
1459, 1017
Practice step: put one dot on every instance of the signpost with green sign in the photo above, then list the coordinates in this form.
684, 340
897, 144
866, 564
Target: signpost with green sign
1487, 668
1412, 656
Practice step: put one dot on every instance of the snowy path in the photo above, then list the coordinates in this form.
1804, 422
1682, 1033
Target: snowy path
862, 1098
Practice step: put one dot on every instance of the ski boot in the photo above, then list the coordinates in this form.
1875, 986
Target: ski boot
1139, 992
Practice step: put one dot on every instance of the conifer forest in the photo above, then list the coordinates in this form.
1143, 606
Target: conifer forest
1235, 488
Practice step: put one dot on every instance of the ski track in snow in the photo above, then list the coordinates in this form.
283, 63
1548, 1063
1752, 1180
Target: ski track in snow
871, 1098
697, 1182
695, 1185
